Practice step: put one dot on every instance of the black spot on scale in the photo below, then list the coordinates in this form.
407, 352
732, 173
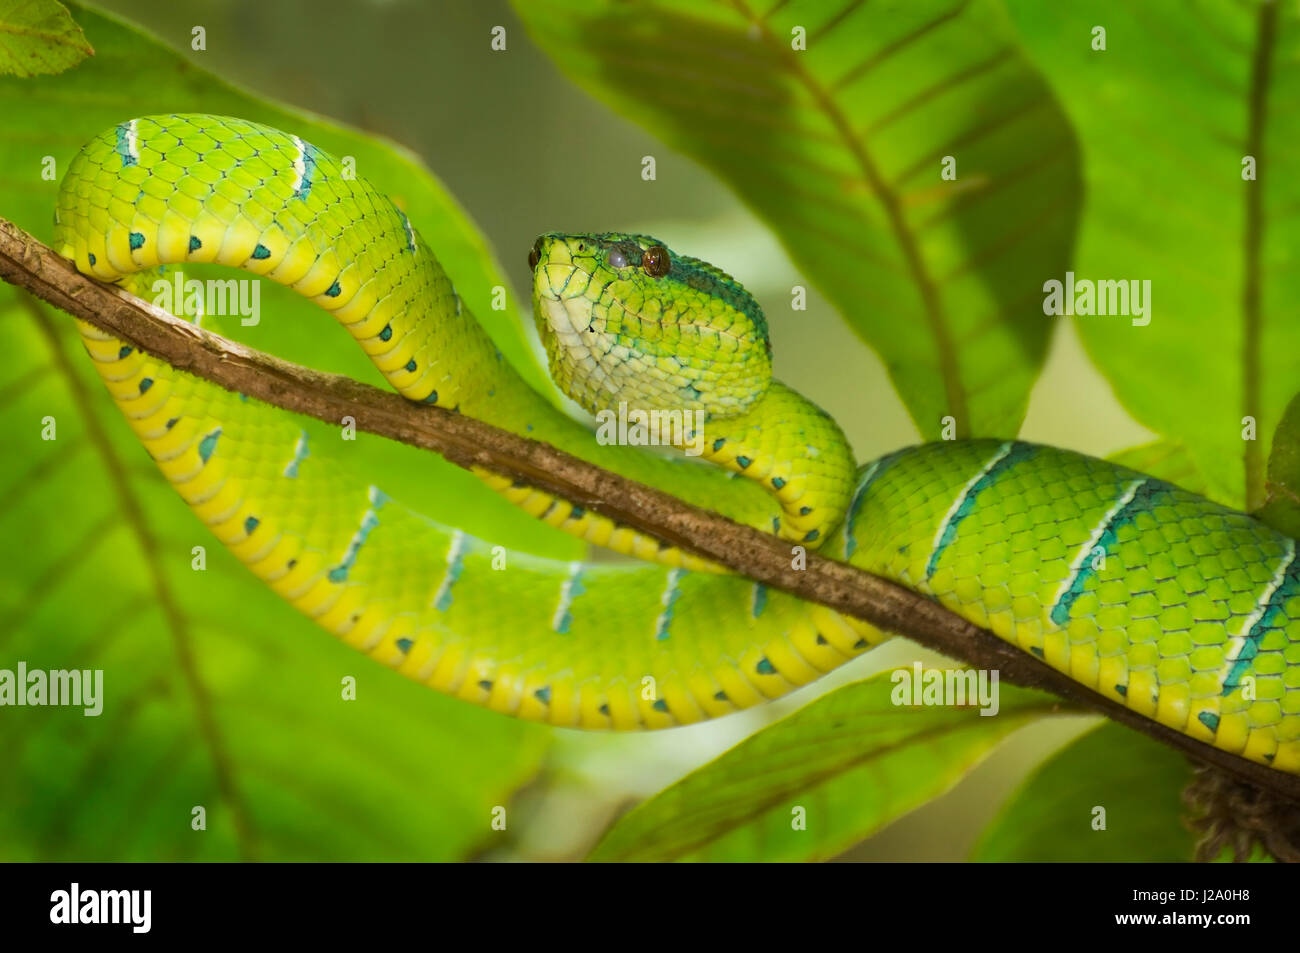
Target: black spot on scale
405, 644
805, 510
145, 384
778, 482
719, 444
604, 709
811, 535
485, 684
410, 365
1036, 650
195, 244
124, 352
1269, 757
172, 423
1121, 689
90, 256
764, 667
1209, 720
334, 290
291, 563
135, 240
660, 705
386, 333
543, 695
743, 462
860, 644
720, 697
260, 252
821, 639
250, 524
578, 513
432, 398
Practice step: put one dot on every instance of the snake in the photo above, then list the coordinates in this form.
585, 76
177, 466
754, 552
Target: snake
1183, 610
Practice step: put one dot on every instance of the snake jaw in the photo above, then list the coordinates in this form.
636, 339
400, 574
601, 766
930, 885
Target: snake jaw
624, 320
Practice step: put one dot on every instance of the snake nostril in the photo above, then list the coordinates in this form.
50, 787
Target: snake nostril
535, 255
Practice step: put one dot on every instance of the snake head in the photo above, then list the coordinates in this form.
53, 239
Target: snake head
624, 319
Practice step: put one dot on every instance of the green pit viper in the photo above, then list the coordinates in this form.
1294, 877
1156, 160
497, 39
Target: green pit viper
1181, 609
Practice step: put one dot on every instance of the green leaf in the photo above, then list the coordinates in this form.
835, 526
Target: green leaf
1137, 781
840, 147
1167, 112
1281, 509
133, 75
39, 36
853, 760
1166, 460
218, 694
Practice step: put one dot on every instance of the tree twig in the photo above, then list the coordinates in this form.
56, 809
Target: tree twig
27, 263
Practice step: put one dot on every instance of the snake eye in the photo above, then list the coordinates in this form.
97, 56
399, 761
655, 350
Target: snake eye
535, 255
655, 261
617, 258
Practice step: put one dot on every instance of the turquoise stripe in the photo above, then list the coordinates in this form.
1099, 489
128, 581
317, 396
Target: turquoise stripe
124, 146
1018, 453
672, 592
369, 520
869, 476
569, 590
455, 566
1288, 589
1146, 497
299, 455
308, 170
208, 445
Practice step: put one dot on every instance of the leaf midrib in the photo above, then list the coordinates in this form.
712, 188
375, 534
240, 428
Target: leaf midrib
1261, 66
889, 200
133, 516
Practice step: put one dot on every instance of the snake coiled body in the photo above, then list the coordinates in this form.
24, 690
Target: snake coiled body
1183, 610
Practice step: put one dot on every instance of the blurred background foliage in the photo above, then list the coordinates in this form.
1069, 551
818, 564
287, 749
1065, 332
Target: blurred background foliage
286, 770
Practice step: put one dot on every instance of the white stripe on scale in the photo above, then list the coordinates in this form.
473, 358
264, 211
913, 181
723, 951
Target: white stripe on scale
410, 231
993, 461
299, 164
561, 619
133, 139
1238, 641
455, 553
667, 600
1085, 551
850, 515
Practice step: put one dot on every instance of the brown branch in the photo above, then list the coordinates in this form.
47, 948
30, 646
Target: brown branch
471, 443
